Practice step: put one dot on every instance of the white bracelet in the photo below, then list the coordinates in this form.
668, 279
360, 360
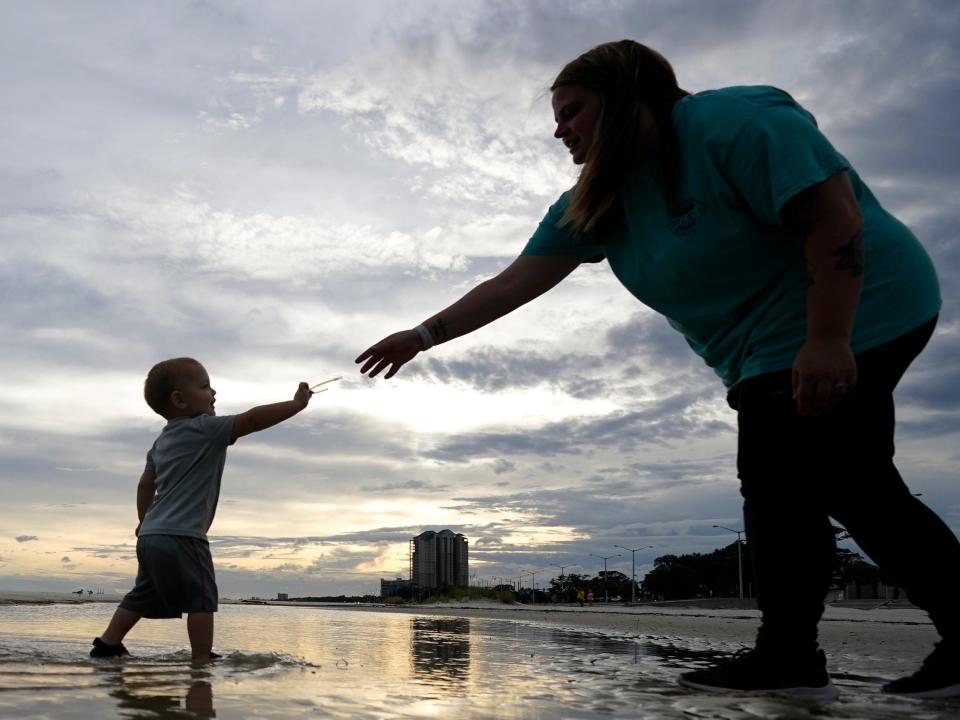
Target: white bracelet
425, 337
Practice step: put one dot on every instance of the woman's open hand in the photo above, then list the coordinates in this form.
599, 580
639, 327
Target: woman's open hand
394, 350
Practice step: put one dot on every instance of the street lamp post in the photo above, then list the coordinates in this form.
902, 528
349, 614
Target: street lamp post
562, 568
605, 571
633, 568
533, 585
739, 555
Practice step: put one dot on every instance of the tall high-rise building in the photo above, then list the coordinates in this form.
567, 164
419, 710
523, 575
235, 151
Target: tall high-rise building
439, 558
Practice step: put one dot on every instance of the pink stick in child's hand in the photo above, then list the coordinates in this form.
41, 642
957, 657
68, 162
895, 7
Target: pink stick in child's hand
324, 383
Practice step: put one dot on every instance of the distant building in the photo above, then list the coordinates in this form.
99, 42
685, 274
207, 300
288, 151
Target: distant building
282, 596
439, 558
395, 588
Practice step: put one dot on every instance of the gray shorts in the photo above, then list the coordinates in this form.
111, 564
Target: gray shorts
175, 576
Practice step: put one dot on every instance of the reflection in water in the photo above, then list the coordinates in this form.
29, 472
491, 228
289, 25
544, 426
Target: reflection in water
682, 656
440, 649
199, 699
154, 691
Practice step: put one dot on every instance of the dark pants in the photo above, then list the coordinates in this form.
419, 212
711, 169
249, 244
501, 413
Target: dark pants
798, 472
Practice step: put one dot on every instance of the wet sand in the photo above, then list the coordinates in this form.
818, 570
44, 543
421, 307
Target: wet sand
475, 660
893, 638
887, 640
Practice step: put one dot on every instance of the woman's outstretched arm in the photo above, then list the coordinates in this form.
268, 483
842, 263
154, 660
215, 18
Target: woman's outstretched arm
526, 277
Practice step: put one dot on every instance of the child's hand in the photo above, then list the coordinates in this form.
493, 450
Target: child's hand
303, 395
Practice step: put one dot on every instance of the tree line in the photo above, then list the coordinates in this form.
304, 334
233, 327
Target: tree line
673, 577
679, 577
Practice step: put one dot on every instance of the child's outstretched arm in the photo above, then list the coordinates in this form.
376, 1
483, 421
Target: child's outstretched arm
264, 416
146, 489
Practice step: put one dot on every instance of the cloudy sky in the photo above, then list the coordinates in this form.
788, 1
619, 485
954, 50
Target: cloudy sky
272, 187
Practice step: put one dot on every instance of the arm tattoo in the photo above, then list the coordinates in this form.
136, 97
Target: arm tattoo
850, 256
438, 328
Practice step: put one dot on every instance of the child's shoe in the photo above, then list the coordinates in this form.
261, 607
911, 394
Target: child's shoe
101, 649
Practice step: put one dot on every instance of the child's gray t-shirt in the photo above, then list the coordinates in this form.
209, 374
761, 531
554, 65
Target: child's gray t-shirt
187, 459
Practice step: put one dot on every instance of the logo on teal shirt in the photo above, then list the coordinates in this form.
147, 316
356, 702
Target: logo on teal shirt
687, 216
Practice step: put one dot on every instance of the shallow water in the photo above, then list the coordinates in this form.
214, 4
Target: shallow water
283, 662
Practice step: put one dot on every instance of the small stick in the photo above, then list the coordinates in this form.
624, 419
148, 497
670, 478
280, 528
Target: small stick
324, 383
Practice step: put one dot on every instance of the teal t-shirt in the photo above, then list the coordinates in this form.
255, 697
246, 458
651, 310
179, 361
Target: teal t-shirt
725, 271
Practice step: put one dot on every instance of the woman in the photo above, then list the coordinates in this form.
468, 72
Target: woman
732, 215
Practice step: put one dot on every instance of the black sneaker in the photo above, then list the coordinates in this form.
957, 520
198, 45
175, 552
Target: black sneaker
101, 649
753, 672
938, 677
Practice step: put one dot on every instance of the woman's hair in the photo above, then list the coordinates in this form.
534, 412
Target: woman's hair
635, 85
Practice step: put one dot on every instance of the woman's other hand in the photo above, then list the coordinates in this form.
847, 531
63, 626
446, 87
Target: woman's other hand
823, 372
394, 350
829, 217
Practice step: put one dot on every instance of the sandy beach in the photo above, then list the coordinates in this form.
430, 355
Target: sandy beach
16, 597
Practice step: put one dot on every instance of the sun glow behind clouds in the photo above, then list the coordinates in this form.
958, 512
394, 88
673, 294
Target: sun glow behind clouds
533, 536
433, 408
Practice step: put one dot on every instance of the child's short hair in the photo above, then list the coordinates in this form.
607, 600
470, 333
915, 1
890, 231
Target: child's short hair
162, 380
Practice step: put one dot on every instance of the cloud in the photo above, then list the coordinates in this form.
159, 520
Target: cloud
403, 485
501, 466
441, 123
273, 189
664, 423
